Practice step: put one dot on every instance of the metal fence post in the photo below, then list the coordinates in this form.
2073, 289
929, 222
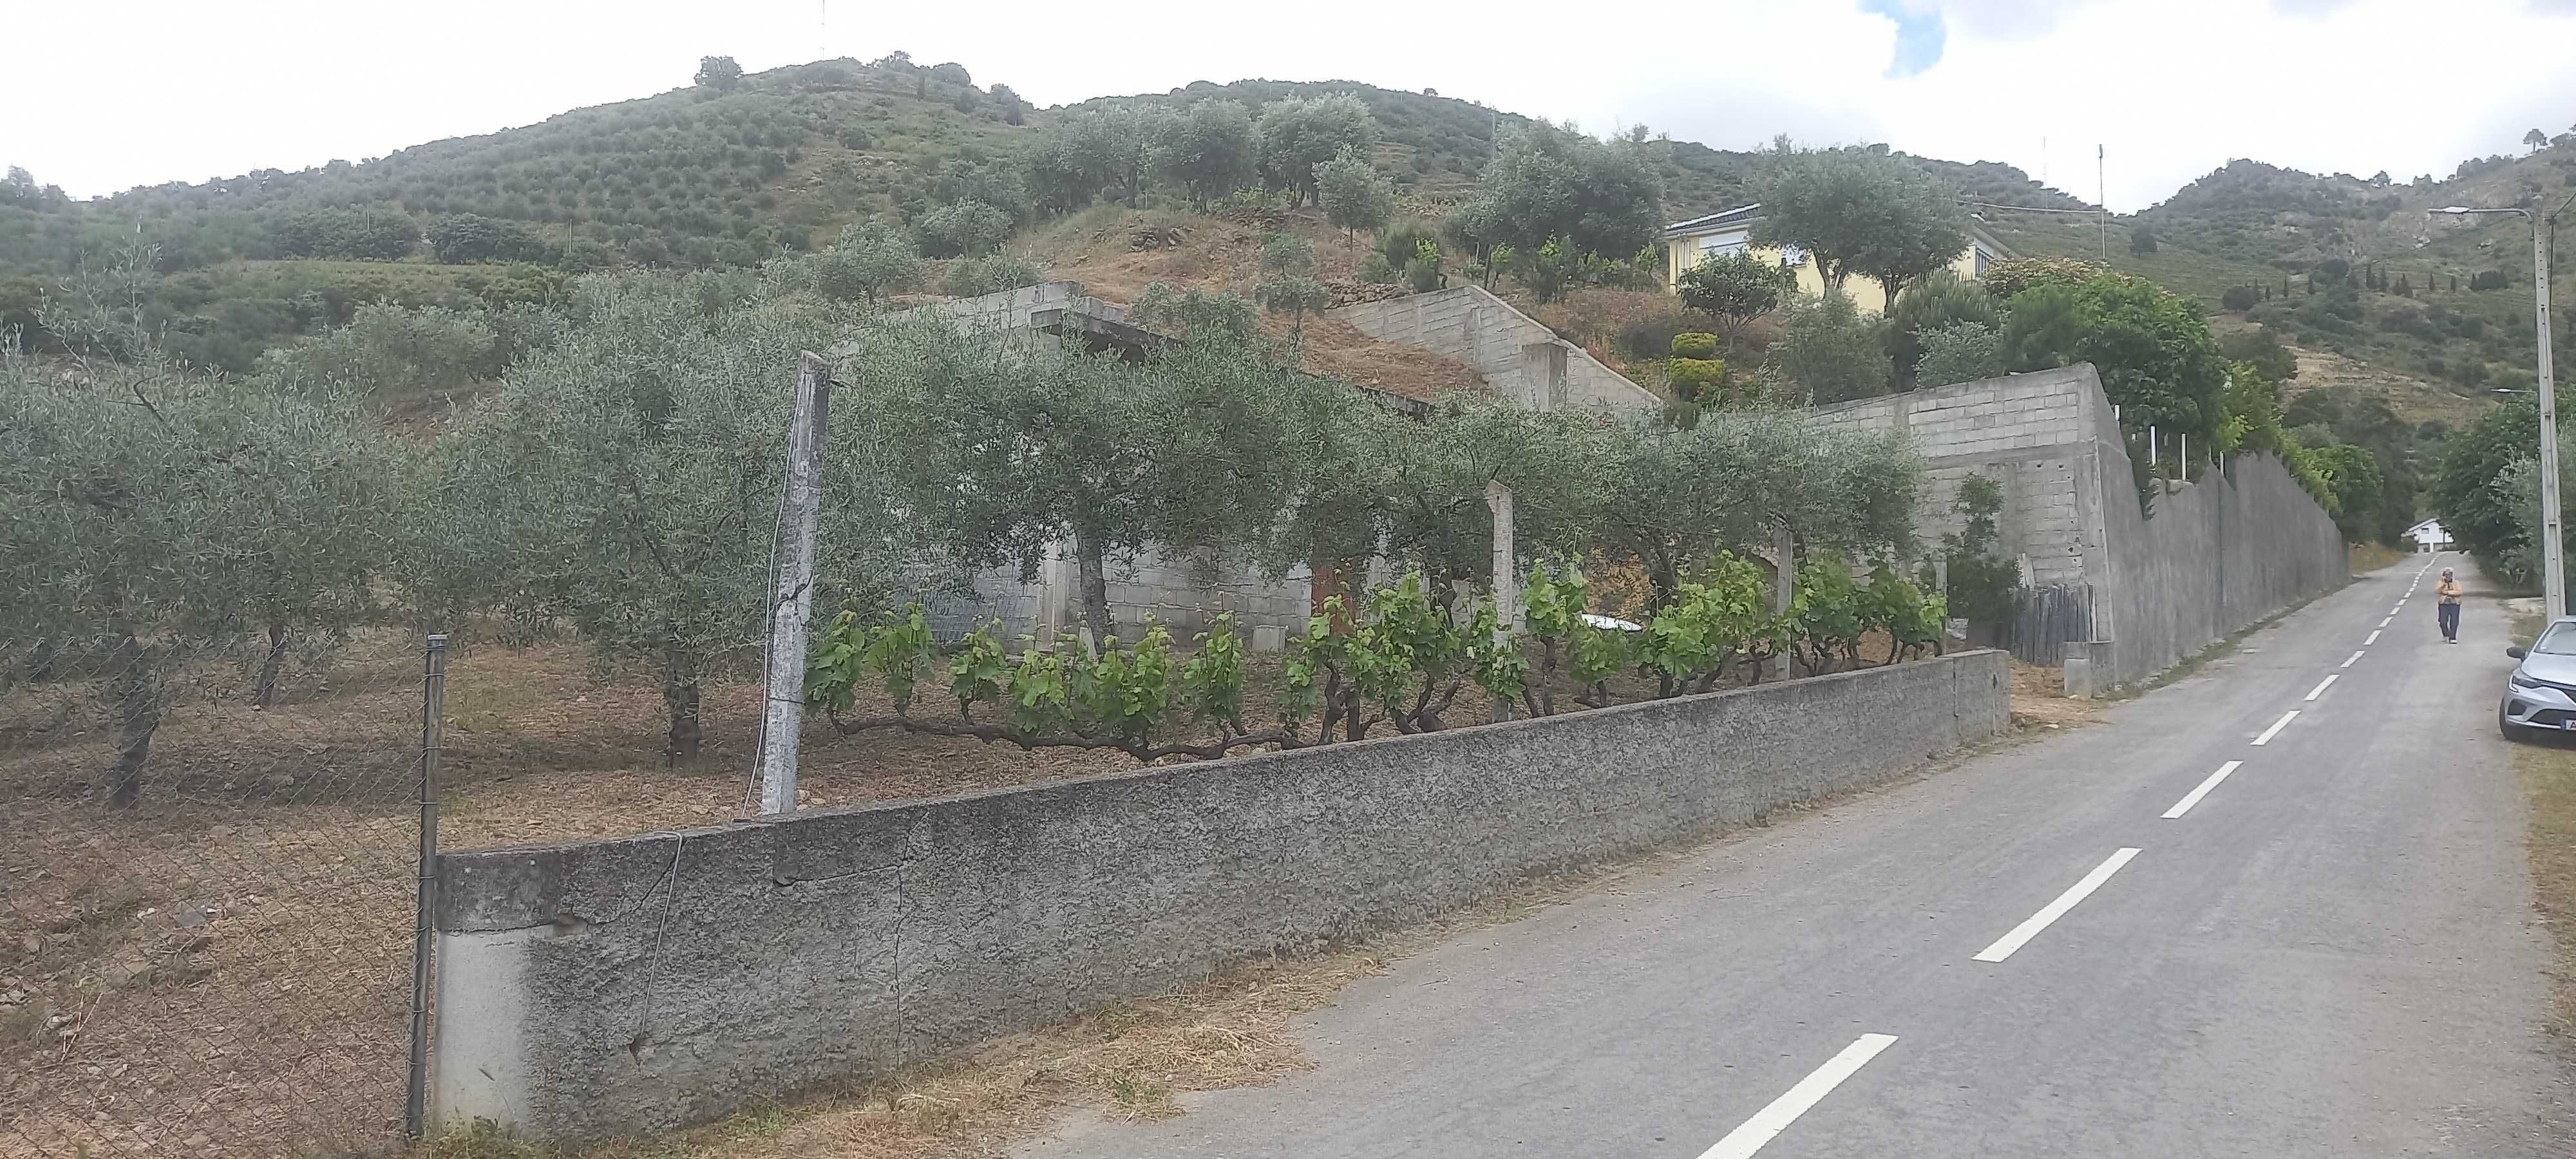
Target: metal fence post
433, 711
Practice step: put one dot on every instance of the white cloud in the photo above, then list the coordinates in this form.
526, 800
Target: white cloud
199, 91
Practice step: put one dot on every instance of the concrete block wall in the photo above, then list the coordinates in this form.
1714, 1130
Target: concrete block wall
1520, 358
2029, 433
2220, 553
2216, 556
598, 987
1178, 594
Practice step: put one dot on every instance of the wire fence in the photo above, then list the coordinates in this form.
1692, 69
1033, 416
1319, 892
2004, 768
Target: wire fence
206, 930
223, 965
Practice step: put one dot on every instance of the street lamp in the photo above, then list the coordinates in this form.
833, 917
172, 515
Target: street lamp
2553, 589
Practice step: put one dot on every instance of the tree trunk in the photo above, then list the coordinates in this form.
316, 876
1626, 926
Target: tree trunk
138, 714
1091, 582
680, 697
266, 689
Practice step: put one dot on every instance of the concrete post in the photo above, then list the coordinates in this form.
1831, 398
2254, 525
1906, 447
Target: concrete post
792, 603
1784, 586
1507, 601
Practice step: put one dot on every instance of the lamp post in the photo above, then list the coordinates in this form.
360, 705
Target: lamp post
2553, 589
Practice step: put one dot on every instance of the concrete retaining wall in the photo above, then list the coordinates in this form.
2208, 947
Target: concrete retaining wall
1521, 359
593, 988
2215, 557
2220, 553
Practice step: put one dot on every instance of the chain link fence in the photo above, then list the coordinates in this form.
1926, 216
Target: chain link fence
206, 930
223, 966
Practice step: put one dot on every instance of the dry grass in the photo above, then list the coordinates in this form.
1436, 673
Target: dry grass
2547, 769
2370, 557
2413, 400
1099, 249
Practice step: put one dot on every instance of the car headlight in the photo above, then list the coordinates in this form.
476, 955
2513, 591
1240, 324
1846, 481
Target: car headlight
2519, 680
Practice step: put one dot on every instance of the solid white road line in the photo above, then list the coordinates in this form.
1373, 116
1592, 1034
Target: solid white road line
2347, 661
2023, 933
2313, 693
2193, 797
2276, 728
2374, 638
1743, 1141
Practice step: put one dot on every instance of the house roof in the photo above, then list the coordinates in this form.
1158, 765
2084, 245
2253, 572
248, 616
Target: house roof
1745, 215
1740, 215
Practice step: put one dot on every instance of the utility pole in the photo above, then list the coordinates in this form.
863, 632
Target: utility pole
791, 605
2553, 593
1507, 603
2102, 190
2553, 545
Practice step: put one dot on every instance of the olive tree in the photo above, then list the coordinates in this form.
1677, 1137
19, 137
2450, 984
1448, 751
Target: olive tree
1595, 197
626, 478
869, 261
158, 515
1209, 150
1022, 445
1355, 195
1679, 497
1857, 211
1299, 134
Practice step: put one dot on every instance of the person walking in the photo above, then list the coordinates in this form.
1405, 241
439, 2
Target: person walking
2446, 606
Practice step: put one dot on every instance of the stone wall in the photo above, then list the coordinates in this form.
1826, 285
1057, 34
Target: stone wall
1519, 358
599, 987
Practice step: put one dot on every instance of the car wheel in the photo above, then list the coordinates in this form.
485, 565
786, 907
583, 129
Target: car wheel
2511, 731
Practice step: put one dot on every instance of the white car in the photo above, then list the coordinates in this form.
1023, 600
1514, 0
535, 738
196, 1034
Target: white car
2540, 696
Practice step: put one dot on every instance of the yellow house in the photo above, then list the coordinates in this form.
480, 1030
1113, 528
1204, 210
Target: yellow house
1687, 242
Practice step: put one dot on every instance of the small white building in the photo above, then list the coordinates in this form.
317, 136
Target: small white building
2429, 536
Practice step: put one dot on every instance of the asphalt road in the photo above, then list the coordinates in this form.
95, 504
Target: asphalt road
2330, 952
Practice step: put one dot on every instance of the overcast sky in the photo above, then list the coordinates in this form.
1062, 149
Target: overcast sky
107, 95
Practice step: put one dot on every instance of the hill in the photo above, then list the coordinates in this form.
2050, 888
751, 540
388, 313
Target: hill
779, 161
1436, 147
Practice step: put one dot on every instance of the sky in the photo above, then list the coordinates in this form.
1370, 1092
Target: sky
109, 94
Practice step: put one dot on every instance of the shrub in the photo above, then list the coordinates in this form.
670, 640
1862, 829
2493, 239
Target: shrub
1422, 271
1374, 270
1965, 352
1401, 242
2487, 280
2263, 349
989, 274
963, 229
1651, 338
1694, 344
2239, 298
1693, 379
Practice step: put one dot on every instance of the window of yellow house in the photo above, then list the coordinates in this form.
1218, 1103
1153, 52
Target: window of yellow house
1720, 244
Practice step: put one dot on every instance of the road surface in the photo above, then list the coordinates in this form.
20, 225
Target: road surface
2090, 945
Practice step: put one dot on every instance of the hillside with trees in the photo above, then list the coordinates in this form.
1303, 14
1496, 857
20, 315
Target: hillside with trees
737, 168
